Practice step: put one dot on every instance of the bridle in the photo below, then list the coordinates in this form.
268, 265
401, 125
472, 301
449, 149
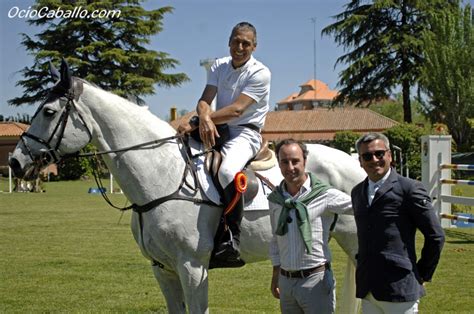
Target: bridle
52, 153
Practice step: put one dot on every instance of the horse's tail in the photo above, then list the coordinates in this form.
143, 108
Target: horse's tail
349, 303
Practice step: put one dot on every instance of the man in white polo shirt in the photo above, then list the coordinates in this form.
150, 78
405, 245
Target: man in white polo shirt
241, 86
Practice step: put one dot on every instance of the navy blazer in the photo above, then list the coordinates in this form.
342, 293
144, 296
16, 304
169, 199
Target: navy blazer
386, 262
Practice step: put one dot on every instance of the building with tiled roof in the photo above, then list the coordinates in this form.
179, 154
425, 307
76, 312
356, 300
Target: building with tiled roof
312, 94
10, 133
320, 125
317, 125
12, 129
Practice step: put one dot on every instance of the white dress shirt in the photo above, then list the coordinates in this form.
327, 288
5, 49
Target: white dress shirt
374, 186
288, 250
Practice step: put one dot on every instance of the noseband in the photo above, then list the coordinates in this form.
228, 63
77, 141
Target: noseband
52, 154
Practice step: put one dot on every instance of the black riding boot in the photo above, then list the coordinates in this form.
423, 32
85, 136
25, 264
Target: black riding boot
227, 252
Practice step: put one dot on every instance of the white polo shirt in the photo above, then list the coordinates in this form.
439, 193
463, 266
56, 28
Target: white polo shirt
251, 79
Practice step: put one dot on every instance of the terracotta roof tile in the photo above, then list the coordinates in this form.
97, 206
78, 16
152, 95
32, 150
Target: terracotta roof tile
319, 95
323, 123
12, 128
315, 84
311, 90
289, 98
318, 124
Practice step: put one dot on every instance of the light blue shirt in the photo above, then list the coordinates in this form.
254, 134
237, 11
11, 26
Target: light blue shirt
374, 186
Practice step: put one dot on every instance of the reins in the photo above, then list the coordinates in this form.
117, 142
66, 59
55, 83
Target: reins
95, 165
133, 147
188, 168
53, 154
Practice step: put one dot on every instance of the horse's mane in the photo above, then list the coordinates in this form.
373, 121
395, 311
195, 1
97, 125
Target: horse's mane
130, 97
86, 82
145, 116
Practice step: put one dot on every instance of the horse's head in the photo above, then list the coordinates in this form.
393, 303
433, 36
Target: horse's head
57, 128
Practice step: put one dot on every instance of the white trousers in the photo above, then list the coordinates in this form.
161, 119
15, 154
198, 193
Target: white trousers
243, 145
370, 305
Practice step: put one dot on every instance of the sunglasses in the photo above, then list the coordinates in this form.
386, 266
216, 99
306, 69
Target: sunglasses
378, 154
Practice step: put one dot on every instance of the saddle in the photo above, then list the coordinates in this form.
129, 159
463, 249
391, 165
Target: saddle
245, 192
263, 160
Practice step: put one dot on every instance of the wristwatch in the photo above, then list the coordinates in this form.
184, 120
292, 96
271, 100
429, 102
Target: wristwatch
194, 121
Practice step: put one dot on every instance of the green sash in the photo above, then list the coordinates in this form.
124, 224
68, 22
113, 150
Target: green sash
304, 225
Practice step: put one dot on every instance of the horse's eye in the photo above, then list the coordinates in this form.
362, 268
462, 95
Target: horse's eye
49, 112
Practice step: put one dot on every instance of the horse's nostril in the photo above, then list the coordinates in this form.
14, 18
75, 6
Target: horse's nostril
16, 167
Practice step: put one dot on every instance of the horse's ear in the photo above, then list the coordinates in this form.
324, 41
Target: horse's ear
66, 77
54, 72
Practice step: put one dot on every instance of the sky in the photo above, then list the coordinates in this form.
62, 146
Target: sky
198, 30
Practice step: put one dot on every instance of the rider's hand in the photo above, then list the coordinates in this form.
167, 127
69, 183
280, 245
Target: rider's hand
184, 128
207, 131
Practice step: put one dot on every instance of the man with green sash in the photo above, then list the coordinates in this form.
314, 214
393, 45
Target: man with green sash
302, 210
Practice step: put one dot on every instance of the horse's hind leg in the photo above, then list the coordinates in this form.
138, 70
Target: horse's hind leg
171, 289
345, 234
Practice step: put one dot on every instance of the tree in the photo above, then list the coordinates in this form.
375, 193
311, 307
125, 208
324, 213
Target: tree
24, 118
393, 109
408, 138
448, 75
108, 51
76, 168
383, 40
345, 141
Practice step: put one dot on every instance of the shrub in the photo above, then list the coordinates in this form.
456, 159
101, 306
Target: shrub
345, 141
75, 168
408, 137
72, 168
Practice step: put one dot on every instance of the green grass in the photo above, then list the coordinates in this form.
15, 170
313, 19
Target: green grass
462, 190
68, 251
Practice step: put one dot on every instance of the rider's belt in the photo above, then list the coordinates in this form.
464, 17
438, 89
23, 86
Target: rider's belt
305, 272
251, 126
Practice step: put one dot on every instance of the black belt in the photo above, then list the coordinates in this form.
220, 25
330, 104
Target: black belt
251, 126
305, 272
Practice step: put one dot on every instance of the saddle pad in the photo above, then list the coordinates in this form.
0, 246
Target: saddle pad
260, 201
204, 178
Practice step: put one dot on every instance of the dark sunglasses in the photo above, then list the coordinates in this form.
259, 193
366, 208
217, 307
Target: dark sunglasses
378, 154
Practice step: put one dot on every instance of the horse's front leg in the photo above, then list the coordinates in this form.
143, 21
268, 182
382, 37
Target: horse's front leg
345, 233
194, 280
170, 285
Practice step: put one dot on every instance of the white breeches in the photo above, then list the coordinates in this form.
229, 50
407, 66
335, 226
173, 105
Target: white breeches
243, 145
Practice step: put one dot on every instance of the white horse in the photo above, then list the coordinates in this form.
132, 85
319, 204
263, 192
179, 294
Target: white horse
176, 235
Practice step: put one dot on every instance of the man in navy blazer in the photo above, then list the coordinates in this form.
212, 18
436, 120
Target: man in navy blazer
388, 209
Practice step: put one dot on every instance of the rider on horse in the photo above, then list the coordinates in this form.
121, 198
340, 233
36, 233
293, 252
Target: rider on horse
241, 86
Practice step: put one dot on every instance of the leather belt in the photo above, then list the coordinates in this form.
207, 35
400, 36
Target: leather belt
305, 272
251, 126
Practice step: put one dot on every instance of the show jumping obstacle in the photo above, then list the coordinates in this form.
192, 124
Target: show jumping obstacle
436, 176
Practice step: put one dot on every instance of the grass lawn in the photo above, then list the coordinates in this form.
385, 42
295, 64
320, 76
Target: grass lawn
68, 251
466, 191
